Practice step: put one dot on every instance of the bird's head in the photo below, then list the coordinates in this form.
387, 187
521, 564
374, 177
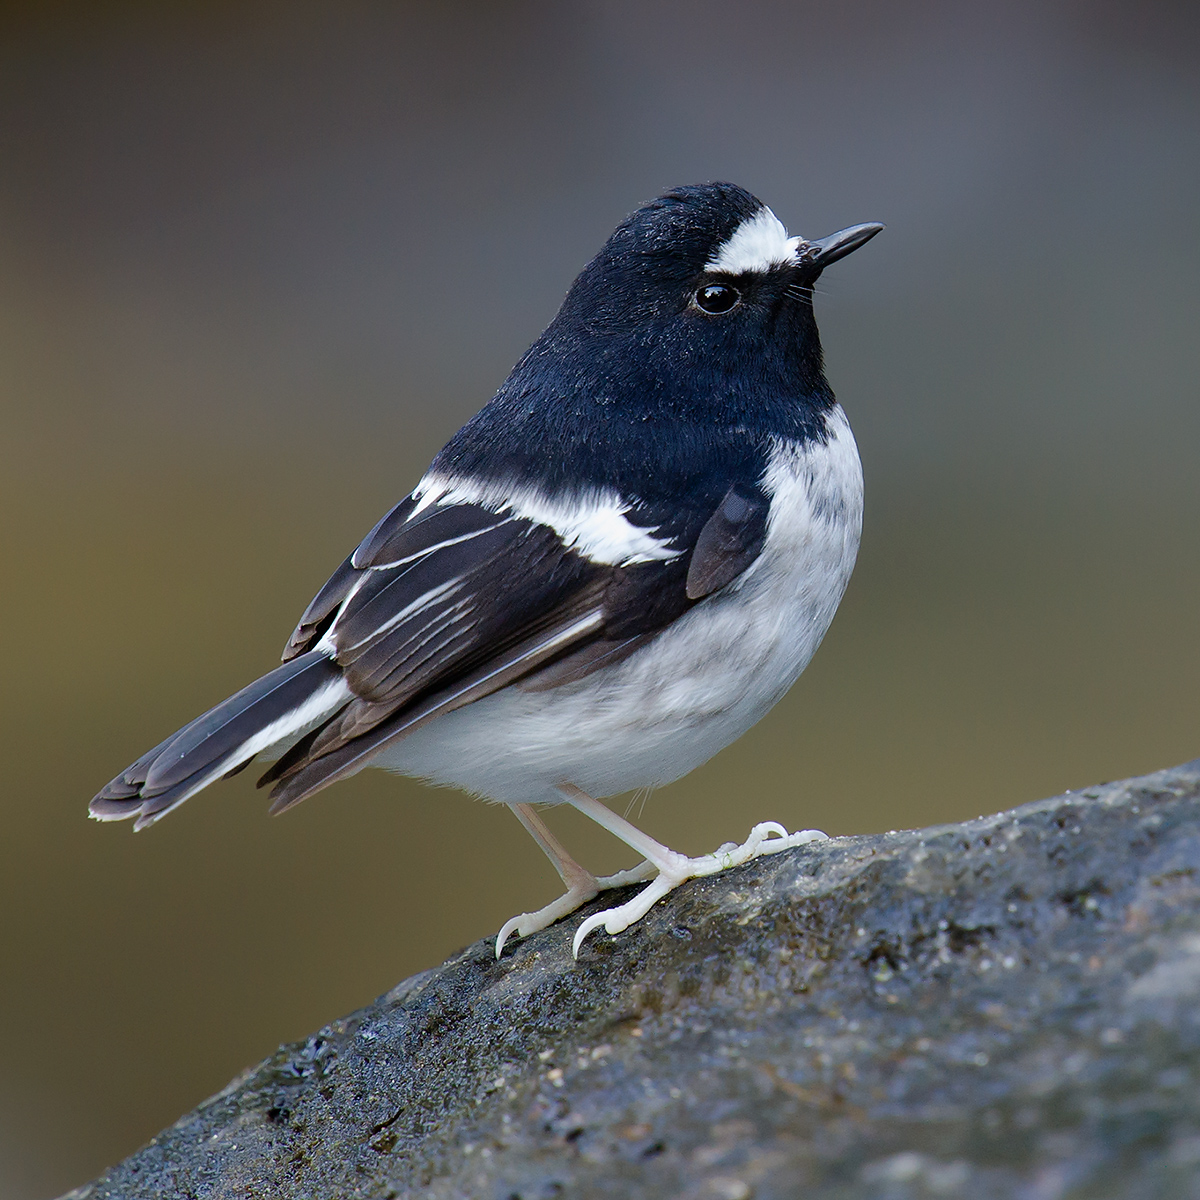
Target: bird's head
704, 284
683, 344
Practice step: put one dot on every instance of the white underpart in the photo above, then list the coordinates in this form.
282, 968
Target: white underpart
593, 524
286, 729
759, 243
694, 688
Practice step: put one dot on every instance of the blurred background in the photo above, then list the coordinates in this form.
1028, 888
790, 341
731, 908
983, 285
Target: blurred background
258, 261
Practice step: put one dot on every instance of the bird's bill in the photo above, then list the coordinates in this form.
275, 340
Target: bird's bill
829, 249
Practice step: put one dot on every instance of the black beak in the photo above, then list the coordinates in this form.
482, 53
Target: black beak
829, 249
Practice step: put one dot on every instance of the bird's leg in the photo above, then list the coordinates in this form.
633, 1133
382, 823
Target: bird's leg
581, 884
766, 838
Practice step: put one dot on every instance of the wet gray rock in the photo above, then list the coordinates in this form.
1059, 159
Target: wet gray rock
1003, 1008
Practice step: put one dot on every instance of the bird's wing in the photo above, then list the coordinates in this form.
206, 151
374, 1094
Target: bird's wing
445, 602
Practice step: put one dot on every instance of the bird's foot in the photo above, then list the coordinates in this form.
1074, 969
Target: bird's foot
673, 869
583, 887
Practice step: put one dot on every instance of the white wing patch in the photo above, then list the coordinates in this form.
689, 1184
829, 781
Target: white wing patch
593, 524
759, 243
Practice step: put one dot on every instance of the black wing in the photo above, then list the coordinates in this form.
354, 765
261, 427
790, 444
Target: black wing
441, 606
437, 608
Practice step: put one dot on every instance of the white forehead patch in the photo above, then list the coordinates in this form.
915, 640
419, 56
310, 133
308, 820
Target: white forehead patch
759, 243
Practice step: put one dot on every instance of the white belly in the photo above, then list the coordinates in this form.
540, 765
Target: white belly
696, 687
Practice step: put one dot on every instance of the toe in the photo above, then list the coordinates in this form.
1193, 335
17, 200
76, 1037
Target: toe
530, 923
616, 920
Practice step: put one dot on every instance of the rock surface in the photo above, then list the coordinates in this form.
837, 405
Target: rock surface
1003, 1008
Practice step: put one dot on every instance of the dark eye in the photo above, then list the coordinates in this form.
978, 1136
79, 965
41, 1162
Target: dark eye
716, 298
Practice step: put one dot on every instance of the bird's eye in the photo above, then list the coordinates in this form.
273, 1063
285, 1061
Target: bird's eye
716, 298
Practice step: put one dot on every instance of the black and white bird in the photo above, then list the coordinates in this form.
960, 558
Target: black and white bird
606, 576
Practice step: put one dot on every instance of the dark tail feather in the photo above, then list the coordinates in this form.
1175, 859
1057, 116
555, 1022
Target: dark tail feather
288, 762
274, 708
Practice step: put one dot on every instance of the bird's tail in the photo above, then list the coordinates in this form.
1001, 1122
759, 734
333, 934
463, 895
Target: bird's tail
272, 711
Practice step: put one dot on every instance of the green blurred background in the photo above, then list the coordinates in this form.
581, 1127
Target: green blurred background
257, 261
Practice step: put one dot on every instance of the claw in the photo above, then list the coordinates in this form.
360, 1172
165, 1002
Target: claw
617, 920
506, 931
568, 902
593, 922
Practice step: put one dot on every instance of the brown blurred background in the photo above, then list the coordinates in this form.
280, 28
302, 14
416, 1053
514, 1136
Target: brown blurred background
258, 261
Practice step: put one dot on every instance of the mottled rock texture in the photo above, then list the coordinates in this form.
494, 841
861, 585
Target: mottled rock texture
1004, 1008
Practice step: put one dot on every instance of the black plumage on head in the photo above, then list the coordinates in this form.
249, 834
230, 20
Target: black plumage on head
634, 387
